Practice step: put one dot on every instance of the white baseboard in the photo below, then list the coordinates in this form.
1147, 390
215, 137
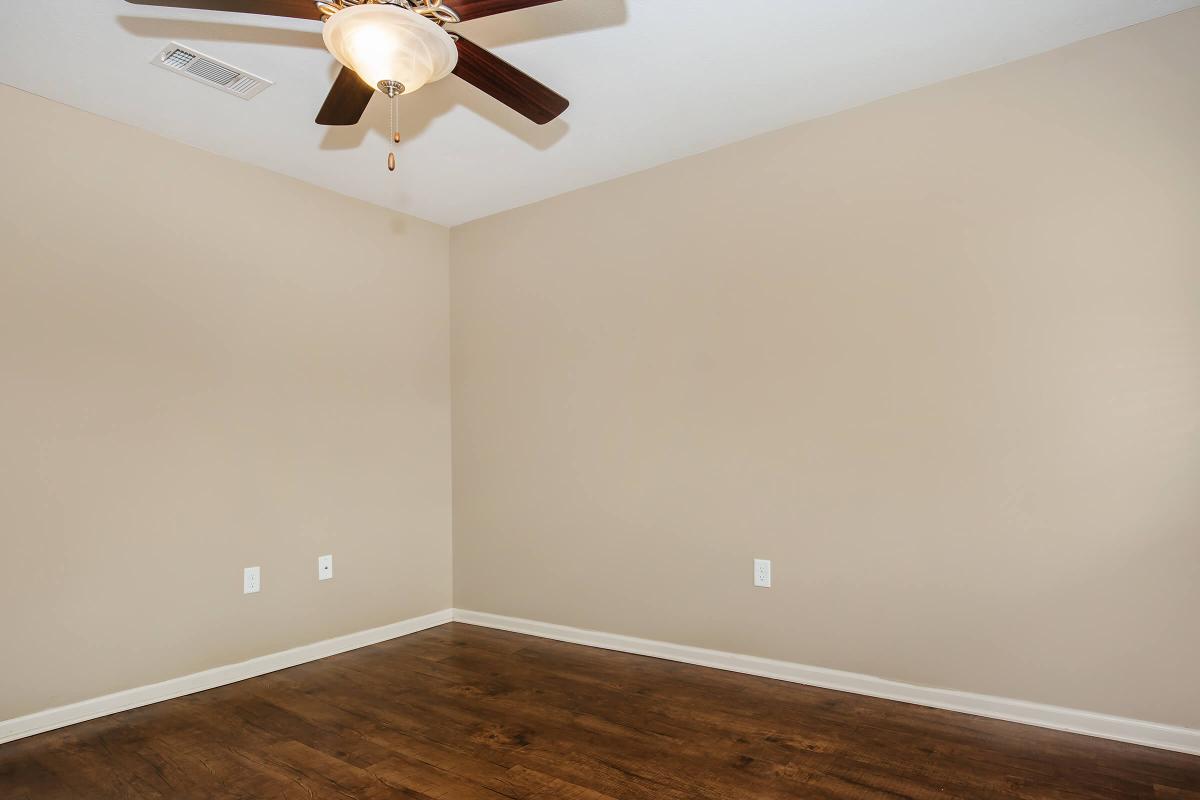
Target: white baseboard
62, 716
1105, 726
1151, 734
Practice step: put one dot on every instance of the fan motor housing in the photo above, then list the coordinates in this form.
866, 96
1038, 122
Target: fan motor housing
430, 9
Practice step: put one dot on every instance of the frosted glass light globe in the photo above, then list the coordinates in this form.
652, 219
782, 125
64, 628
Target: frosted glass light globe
383, 42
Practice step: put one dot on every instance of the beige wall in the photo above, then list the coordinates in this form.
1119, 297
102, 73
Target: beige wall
205, 366
937, 357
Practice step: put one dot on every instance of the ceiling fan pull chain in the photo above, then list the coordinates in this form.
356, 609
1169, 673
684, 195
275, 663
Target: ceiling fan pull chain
393, 90
395, 135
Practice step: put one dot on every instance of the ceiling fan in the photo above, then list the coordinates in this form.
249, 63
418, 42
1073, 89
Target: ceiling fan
397, 46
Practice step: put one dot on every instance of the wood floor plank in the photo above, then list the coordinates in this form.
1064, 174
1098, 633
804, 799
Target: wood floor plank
466, 713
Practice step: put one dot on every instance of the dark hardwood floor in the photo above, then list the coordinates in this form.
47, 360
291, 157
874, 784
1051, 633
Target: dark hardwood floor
466, 713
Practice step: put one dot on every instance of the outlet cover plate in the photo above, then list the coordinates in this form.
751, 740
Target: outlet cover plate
762, 573
324, 568
251, 580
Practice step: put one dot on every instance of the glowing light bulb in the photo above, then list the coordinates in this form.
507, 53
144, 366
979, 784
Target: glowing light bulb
383, 42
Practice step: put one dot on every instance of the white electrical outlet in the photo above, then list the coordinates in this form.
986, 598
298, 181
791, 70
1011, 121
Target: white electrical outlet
762, 573
324, 568
251, 580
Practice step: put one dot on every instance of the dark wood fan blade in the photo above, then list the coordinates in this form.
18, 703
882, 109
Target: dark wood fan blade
347, 100
507, 84
304, 9
474, 9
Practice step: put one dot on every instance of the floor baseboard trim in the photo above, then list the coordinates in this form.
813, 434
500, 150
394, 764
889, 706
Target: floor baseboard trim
1105, 726
48, 720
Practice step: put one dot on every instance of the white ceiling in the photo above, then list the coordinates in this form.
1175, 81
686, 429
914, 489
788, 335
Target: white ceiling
650, 81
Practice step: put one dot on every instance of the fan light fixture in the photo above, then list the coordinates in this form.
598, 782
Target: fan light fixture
398, 46
391, 48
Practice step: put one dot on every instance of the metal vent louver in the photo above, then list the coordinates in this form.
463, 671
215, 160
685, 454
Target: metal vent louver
190, 63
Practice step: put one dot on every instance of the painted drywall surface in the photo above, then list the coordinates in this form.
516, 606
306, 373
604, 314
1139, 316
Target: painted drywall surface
205, 366
938, 358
